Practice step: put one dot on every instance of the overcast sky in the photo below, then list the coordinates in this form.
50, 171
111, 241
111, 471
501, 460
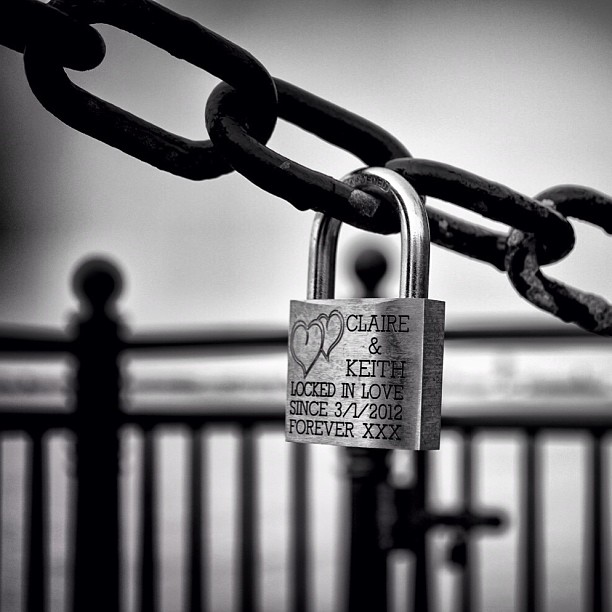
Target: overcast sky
517, 94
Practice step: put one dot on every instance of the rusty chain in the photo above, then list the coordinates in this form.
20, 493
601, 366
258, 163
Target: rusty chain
241, 113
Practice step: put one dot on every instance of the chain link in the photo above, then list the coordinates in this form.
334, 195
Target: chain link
75, 44
303, 187
241, 113
179, 36
570, 304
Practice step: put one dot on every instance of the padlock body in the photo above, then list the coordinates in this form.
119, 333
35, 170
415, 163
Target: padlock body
365, 372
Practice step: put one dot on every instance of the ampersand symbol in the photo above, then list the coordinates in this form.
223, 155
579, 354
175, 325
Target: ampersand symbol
374, 348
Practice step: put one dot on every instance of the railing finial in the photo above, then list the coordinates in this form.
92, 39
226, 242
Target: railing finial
98, 283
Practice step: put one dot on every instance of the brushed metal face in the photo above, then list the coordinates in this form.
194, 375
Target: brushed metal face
365, 372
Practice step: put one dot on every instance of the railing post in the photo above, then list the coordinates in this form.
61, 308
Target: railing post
368, 473
419, 535
97, 283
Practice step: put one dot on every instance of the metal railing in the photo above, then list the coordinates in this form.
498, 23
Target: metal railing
96, 343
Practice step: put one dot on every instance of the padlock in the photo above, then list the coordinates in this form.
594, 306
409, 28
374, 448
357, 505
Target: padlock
368, 372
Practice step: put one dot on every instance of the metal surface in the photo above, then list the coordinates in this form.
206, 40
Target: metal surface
492, 200
368, 372
304, 188
523, 260
365, 373
414, 227
322, 257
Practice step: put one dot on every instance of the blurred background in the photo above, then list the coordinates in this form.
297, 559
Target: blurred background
513, 91
517, 92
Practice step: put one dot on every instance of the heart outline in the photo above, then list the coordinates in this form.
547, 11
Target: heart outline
300, 324
327, 317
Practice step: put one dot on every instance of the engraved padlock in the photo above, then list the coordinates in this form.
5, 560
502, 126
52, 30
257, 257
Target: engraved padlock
368, 372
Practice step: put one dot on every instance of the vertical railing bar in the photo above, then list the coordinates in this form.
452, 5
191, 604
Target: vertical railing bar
467, 582
71, 523
596, 544
196, 580
148, 564
368, 574
36, 591
421, 573
530, 509
299, 528
248, 501
1, 512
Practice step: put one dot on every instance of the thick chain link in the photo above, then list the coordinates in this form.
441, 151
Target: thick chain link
570, 304
75, 44
241, 113
179, 36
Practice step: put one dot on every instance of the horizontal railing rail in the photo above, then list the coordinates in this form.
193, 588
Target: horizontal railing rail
29, 420
20, 339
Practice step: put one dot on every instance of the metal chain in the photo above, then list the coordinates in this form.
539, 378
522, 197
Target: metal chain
179, 36
570, 304
75, 44
241, 113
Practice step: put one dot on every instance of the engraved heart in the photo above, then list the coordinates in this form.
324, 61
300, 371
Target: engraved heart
306, 343
334, 330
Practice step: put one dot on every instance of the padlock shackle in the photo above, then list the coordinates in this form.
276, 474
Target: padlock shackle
322, 257
414, 228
